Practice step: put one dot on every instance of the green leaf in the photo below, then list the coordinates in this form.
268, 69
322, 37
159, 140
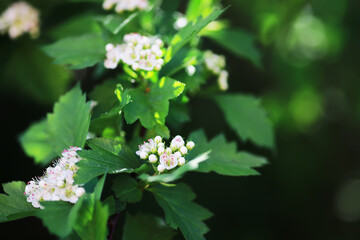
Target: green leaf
107, 144
91, 223
78, 25
36, 144
101, 160
224, 158
152, 106
192, 165
152, 228
13, 204
59, 217
192, 29
68, 125
197, 8
126, 189
237, 41
78, 52
245, 115
114, 23
180, 211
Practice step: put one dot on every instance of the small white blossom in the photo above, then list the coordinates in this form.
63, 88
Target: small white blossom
18, 19
216, 64
181, 161
183, 150
161, 168
180, 22
190, 145
223, 80
57, 182
168, 158
152, 158
139, 52
125, 5
190, 70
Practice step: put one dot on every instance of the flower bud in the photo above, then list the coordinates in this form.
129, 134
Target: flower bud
161, 150
152, 158
181, 161
183, 150
161, 168
177, 154
79, 192
158, 139
190, 145
168, 151
143, 155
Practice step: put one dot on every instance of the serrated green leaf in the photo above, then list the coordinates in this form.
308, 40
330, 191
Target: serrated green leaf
224, 158
151, 107
245, 115
192, 29
13, 204
126, 189
68, 125
152, 228
238, 42
114, 23
107, 144
36, 144
180, 211
77, 52
101, 160
192, 165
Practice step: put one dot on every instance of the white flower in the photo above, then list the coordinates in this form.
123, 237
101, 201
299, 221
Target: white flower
180, 23
139, 52
152, 158
215, 63
125, 5
190, 145
20, 18
177, 143
190, 70
57, 182
223, 80
169, 161
155, 151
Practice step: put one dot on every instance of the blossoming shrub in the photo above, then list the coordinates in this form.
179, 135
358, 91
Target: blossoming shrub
145, 64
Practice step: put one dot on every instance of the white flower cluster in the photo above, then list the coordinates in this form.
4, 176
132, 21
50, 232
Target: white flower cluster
125, 5
167, 158
140, 52
216, 64
57, 182
18, 19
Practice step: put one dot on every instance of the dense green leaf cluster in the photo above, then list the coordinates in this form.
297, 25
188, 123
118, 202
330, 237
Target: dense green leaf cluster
127, 106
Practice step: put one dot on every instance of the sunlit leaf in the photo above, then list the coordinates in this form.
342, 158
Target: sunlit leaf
68, 125
36, 144
152, 106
